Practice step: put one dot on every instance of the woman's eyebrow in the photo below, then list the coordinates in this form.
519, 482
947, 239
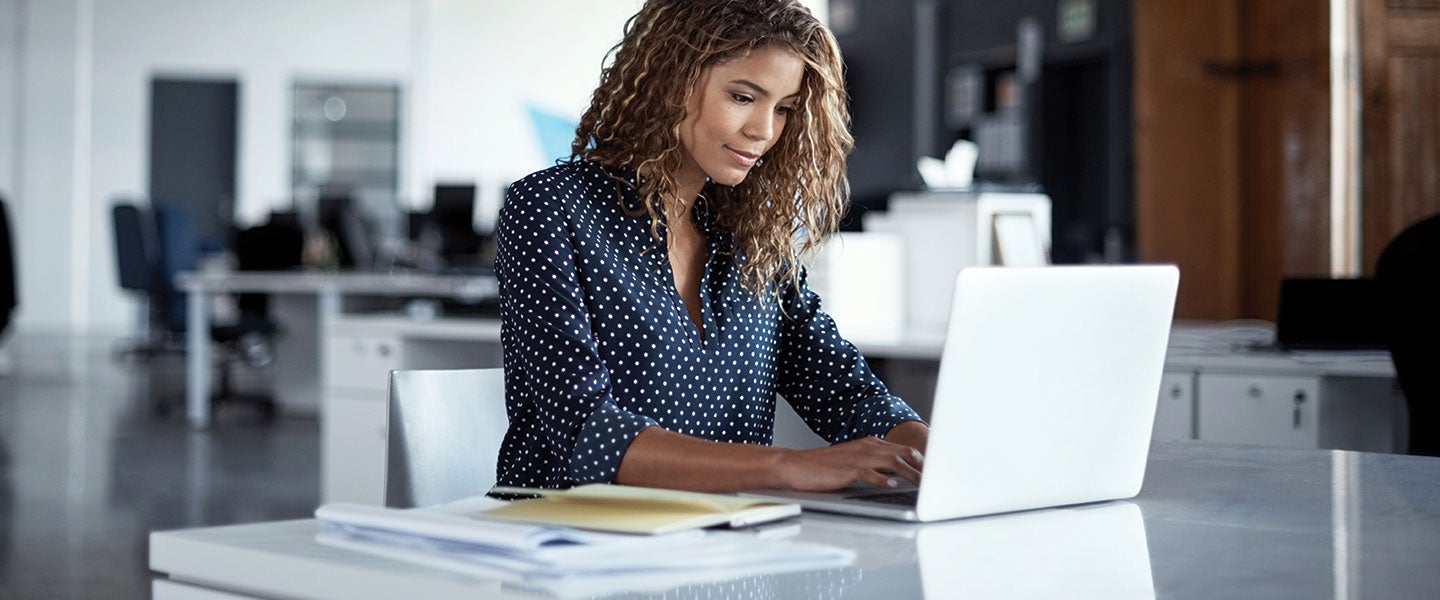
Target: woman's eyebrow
759, 91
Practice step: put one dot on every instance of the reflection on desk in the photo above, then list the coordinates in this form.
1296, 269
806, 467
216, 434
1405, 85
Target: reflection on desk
1089, 551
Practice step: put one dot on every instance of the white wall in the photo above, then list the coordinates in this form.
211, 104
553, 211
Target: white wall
76, 137
47, 142
484, 65
265, 45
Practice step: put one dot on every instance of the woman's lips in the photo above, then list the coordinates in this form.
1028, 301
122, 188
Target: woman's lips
744, 158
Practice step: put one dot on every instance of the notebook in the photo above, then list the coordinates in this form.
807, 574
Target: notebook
1045, 397
631, 509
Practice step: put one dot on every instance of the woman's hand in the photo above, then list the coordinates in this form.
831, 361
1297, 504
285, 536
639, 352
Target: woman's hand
869, 460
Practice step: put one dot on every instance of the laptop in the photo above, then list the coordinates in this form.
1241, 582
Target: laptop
1046, 394
1323, 313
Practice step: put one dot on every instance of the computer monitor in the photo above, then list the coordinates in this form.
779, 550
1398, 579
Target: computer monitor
1324, 313
453, 217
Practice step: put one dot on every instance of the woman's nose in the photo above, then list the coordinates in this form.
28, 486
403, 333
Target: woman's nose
761, 126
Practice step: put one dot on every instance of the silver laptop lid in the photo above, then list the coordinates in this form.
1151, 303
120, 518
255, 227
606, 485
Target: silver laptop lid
1047, 387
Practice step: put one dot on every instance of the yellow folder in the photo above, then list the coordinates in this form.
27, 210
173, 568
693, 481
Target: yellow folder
630, 509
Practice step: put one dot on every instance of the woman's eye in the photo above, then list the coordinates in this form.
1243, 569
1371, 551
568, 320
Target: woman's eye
741, 98
785, 110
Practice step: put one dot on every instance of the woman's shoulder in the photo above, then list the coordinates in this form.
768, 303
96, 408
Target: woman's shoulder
571, 184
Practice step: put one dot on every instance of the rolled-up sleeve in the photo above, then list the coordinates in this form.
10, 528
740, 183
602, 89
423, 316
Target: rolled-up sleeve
558, 390
825, 378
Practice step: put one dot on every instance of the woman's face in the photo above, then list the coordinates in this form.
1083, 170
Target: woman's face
735, 115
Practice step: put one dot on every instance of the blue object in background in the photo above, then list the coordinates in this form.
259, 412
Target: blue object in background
555, 133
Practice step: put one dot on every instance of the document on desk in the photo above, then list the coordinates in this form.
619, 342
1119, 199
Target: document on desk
633, 509
563, 560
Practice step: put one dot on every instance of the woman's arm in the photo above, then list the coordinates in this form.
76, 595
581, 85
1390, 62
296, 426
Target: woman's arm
827, 381
566, 427
665, 459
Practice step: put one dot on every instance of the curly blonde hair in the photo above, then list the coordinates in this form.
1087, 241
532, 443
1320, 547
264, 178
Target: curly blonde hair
790, 202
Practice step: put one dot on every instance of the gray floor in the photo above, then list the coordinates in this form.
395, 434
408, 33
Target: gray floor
88, 469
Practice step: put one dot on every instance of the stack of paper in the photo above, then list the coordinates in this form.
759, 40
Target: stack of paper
563, 560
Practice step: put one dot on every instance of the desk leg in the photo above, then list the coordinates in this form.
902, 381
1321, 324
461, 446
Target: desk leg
197, 358
327, 307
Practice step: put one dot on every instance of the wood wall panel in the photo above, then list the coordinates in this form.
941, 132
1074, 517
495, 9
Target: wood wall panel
1400, 82
1285, 148
1232, 148
1186, 170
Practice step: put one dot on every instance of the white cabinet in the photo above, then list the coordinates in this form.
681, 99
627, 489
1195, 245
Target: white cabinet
352, 432
1175, 412
360, 354
1254, 409
1300, 411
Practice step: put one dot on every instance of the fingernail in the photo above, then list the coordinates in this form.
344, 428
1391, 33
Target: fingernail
891, 483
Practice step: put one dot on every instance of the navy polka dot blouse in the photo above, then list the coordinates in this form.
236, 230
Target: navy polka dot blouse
598, 345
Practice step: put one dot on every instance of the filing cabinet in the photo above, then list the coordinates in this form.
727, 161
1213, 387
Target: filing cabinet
1255, 409
1300, 411
1175, 411
360, 354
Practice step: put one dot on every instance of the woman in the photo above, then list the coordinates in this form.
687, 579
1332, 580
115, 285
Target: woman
650, 290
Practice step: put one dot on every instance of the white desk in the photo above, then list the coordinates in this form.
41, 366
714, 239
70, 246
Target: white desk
1214, 521
329, 291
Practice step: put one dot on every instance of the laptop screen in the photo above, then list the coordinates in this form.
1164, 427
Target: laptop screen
1320, 313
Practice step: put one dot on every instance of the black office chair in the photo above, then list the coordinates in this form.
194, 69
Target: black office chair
247, 339
351, 232
277, 245
9, 296
137, 269
1406, 272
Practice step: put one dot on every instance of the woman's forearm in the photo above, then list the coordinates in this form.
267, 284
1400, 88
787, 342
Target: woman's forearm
664, 459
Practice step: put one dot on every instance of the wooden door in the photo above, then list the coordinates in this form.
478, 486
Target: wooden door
1400, 122
1232, 149
1284, 148
1187, 179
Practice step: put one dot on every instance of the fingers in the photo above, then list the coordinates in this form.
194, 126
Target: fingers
891, 460
869, 460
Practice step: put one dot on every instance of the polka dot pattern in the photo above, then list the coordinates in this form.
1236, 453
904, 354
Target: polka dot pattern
598, 344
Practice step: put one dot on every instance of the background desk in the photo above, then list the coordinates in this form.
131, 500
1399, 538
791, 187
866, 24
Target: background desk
1213, 395
1219, 521
328, 292
1215, 391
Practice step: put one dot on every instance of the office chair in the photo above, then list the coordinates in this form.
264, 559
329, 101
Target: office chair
178, 250
1406, 273
137, 268
277, 245
9, 296
345, 224
444, 435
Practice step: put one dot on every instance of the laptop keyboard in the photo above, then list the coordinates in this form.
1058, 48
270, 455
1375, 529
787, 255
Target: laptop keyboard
907, 498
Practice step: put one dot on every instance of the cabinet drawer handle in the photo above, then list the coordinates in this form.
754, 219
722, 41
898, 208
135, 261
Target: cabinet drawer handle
1254, 391
1175, 391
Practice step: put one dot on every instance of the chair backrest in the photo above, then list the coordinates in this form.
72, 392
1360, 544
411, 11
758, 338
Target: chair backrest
9, 296
178, 250
444, 435
1406, 273
135, 250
